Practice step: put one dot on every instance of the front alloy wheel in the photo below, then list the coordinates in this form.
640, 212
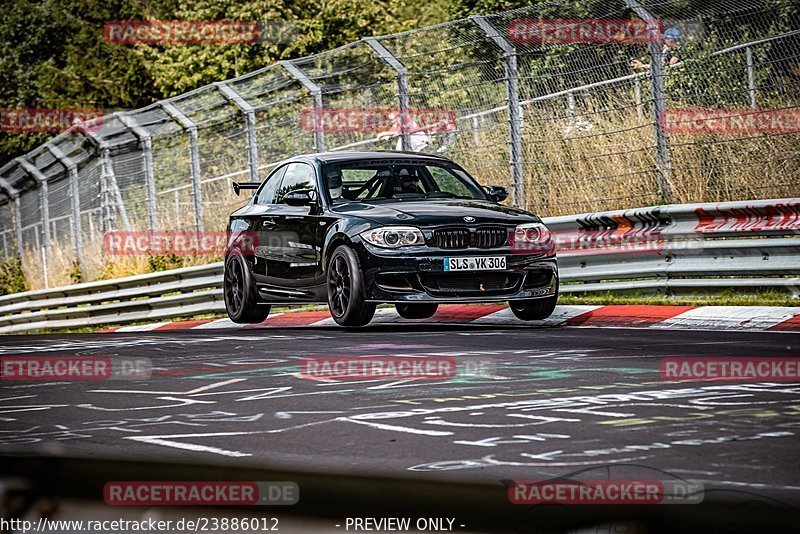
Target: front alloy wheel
346, 293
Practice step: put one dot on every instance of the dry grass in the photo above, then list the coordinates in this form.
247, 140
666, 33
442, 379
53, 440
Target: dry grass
603, 160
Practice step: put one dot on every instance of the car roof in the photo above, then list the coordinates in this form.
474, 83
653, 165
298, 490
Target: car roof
332, 157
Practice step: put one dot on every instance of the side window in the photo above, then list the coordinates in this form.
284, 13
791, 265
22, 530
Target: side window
298, 176
448, 182
267, 193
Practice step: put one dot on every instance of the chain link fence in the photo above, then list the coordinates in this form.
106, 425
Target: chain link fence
570, 122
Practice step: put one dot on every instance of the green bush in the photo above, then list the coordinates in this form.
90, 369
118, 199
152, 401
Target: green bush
75, 274
165, 262
12, 278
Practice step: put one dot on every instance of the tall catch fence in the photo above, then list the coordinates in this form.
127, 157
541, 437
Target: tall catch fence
546, 101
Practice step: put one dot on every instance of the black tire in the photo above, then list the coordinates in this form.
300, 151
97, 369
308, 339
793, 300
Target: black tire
241, 296
534, 309
346, 292
416, 311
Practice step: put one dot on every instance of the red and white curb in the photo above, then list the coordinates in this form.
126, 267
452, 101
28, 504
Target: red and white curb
759, 318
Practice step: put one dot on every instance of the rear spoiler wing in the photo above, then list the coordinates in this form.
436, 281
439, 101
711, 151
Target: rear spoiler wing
238, 186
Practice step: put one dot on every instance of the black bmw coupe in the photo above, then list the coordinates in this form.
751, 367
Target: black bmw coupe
355, 229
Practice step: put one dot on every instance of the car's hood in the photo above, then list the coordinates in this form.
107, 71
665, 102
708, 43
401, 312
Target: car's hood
436, 212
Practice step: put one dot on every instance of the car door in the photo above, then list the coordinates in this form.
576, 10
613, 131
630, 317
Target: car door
264, 209
293, 258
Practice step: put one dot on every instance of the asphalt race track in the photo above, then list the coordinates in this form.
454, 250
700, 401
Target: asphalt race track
554, 400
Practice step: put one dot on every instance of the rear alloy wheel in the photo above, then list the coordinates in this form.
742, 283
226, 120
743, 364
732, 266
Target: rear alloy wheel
241, 297
534, 309
346, 293
416, 311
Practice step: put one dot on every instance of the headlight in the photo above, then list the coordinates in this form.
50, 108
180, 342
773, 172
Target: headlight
532, 238
394, 236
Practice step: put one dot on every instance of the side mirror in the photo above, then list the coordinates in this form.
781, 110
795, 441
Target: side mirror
301, 197
496, 192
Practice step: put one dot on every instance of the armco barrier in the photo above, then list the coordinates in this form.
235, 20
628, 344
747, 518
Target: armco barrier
150, 297
675, 248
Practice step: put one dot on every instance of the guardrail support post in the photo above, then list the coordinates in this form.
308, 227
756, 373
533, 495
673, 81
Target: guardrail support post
751, 77
44, 200
250, 127
402, 86
514, 109
75, 193
150, 182
663, 167
194, 160
316, 98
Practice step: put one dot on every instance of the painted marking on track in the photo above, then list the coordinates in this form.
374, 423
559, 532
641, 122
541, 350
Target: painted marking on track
17, 398
539, 420
190, 392
168, 441
181, 403
30, 408
24, 431
495, 441
490, 461
141, 327
395, 428
288, 415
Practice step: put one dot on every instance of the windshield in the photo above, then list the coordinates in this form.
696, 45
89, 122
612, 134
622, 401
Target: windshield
371, 182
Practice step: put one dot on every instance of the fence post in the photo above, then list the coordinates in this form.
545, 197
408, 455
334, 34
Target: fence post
751, 77
109, 178
13, 195
150, 182
316, 98
75, 193
17, 213
194, 160
514, 109
658, 93
106, 201
571, 103
43, 196
249, 113
402, 86
637, 97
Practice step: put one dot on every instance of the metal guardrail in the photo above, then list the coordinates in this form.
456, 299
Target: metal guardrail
163, 295
685, 247
675, 248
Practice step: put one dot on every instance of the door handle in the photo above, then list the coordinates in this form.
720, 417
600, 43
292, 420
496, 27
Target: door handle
267, 223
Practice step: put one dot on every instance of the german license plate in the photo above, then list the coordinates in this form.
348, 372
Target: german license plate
475, 263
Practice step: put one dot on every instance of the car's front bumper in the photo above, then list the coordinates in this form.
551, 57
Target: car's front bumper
417, 275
